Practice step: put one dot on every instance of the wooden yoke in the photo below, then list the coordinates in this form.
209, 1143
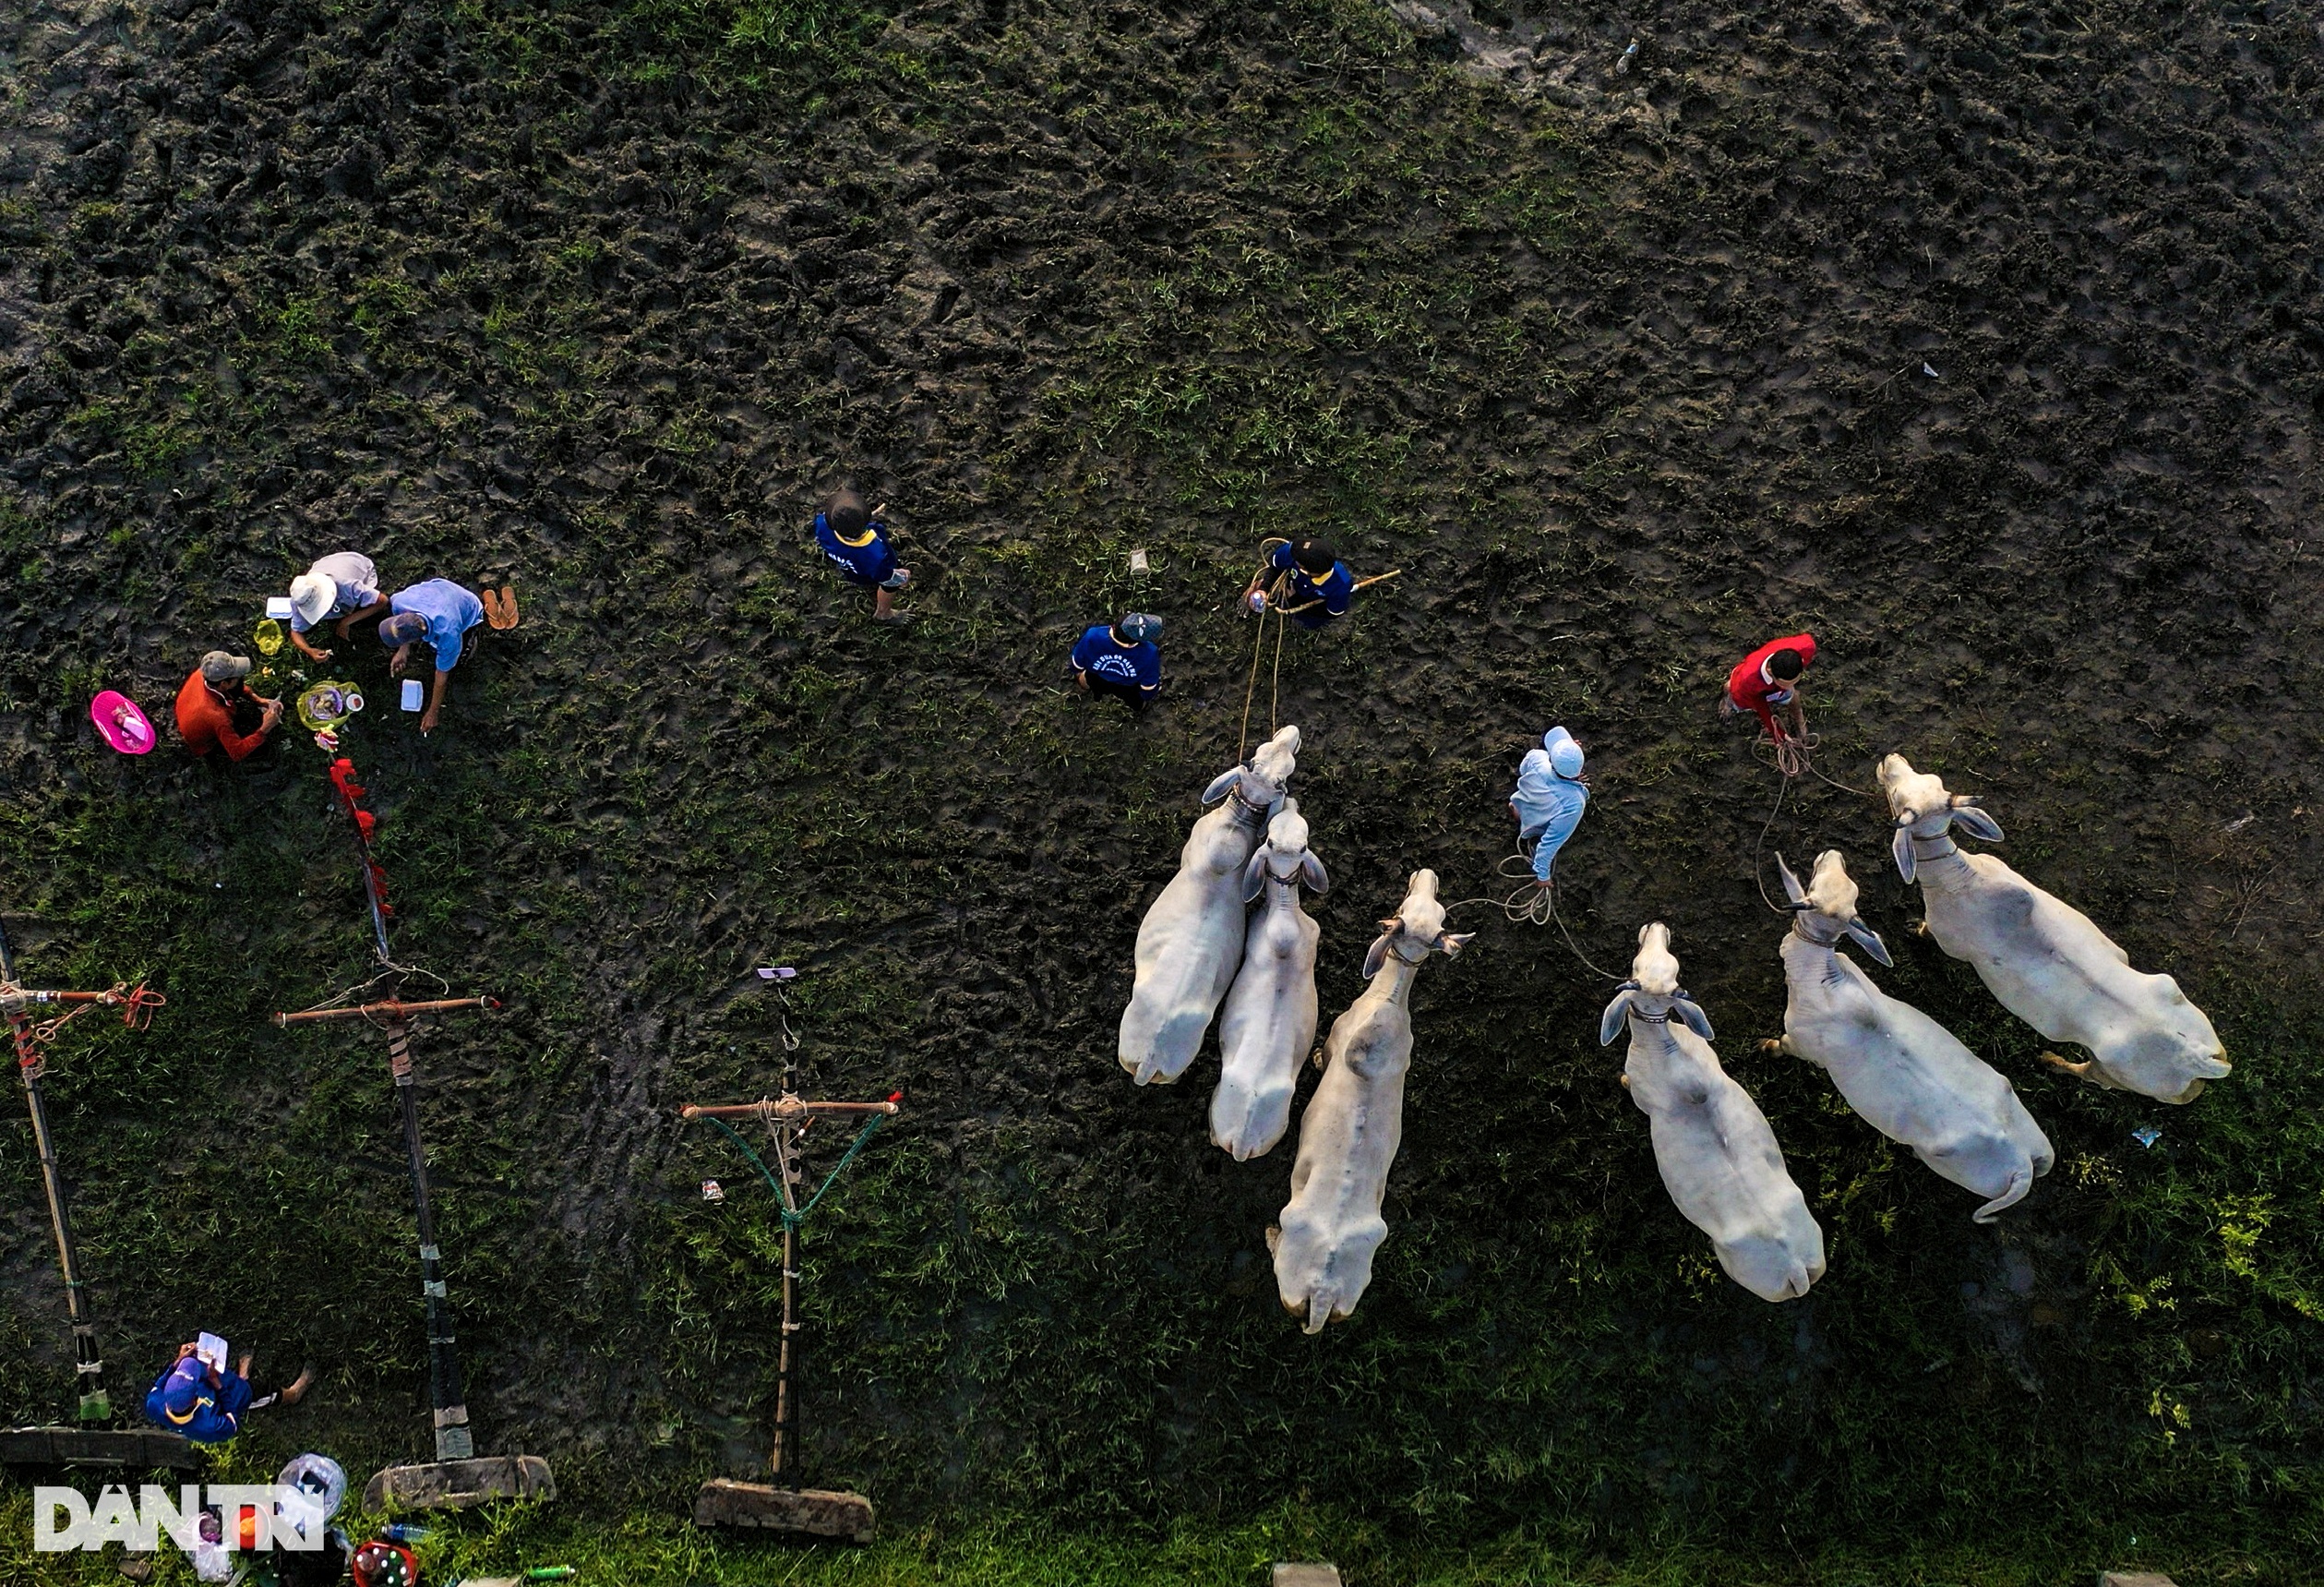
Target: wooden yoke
787, 1117
453, 1439
88, 1366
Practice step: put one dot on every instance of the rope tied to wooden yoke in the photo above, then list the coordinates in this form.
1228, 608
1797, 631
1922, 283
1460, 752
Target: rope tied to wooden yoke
792, 1216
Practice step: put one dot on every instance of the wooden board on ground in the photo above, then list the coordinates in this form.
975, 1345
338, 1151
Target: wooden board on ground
1306, 1575
819, 1512
96, 1447
460, 1484
2134, 1578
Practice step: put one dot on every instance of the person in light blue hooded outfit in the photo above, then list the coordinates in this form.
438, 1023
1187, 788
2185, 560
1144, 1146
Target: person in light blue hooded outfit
1550, 799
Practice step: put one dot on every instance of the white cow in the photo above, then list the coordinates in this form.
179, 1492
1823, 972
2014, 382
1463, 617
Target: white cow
1719, 1158
2042, 958
1268, 1025
1190, 941
1906, 1074
1324, 1240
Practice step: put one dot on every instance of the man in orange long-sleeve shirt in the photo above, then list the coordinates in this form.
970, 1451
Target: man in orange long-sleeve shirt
210, 700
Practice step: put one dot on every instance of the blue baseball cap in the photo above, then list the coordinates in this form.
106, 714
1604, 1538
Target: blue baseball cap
1137, 627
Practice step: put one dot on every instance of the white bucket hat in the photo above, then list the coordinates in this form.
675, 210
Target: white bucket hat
311, 595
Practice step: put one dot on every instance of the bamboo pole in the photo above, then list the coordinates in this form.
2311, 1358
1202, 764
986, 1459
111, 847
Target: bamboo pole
784, 1108
393, 1012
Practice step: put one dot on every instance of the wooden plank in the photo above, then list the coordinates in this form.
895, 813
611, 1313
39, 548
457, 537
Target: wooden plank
97, 1447
818, 1512
1306, 1575
460, 1484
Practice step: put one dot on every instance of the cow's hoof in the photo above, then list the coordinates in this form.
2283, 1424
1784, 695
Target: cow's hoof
1771, 1046
1919, 928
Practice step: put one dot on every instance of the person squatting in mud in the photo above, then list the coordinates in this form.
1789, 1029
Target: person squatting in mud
857, 544
1551, 796
217, 711
343, 585
1767, 683
436, 613
1120, 661
1306, 582
205, 1403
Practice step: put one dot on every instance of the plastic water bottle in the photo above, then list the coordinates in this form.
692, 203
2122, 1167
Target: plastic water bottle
402, 1531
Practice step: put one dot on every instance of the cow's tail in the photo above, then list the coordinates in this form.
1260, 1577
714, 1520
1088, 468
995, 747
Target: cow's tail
2020, 1183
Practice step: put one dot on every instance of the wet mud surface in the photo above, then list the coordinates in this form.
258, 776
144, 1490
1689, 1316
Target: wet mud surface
1983, 341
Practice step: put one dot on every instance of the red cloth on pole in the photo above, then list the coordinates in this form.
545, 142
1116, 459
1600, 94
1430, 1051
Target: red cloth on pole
1751, 692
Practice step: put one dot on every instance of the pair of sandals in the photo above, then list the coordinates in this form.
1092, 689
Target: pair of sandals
500, 606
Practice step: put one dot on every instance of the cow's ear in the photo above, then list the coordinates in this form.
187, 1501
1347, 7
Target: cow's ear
1869, 938
1687, 1009
1450, 943
1976, 823
1609, 1023
1378, 955
1319, 880
1221, 784
1254, 875
1901, 847
1792, 888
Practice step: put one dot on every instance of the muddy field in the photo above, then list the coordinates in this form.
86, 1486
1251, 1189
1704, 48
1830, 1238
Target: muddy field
1983, 340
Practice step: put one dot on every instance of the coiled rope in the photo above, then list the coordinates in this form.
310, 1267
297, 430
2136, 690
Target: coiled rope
1532, 904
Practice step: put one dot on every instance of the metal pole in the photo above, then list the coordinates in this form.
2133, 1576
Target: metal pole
453, 1440
89, 1364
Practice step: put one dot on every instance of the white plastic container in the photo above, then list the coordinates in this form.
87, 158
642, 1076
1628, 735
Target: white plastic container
278, 607
414, 697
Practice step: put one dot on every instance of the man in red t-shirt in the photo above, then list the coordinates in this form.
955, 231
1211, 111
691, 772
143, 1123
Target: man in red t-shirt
1766, 682
214, 697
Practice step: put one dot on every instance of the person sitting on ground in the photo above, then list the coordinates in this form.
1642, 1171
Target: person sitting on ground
217, 711
1121, 660
1767, 683
192, 1398
343, 585
436, 613
857, 544
1552, 794
1306, 582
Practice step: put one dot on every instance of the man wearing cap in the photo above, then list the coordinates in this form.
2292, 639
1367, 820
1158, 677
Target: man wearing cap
857, 542
1121, 660
217, 711
1550, 796
205, 1404
1768, 681
343, 585
1310, 583
436, 613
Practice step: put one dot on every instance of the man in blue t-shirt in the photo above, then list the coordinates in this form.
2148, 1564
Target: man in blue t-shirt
1308, 582
438, 614
857, 542
1122, 660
